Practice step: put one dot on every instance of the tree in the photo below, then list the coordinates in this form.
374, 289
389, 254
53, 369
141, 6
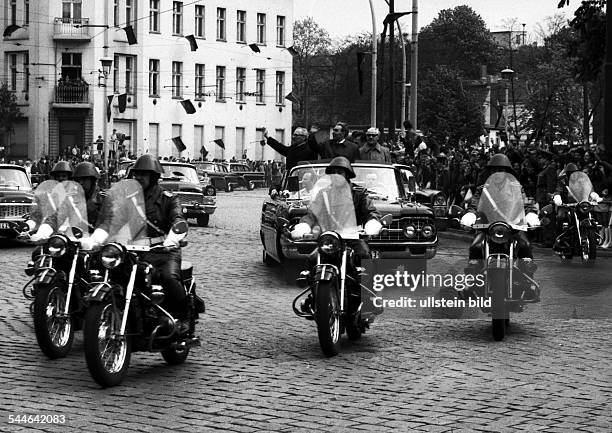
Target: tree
9, 111
459, 39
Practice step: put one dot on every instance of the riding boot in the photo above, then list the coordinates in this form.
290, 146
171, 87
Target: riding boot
607, 238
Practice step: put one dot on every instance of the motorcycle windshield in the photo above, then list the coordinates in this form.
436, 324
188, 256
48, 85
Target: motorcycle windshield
502, 200
580, 187
46, 203
126, 218
72, 211
332, 205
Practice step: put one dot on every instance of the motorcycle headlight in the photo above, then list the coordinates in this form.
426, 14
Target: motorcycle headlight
111, 256
499, 233
409, 231
329, 244
427, 231
585, 207
57, 246
440, 200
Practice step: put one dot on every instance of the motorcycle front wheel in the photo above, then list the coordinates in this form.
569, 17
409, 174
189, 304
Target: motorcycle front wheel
54, 332
327, 316
175, 356
497, 280
589, 249
107, 354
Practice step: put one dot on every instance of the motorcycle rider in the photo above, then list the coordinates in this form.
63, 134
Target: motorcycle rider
87, 176
163, 210
500, 163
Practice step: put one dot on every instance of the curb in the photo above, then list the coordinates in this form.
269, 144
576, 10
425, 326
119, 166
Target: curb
467, 237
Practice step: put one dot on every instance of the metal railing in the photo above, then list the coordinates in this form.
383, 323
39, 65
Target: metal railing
70, 27
72, 93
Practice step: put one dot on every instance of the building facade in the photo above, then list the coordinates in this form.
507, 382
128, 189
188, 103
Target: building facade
50, 58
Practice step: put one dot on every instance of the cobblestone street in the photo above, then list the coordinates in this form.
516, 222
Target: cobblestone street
260, 367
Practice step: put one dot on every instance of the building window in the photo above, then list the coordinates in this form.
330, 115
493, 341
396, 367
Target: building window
199, 21
116, 13
199, 81
177, 131
177, 18
13, 72
14, 12
71, 11
154, 77
154, 16
240, 84
198, 139
116, 75
72, 65
130, 74
220, 24
260, 85
280, 88
177, 79
26, 72
219, 134
280, 30
240, 135
128, 12
241, 26
26, 12
261, 29
220, 83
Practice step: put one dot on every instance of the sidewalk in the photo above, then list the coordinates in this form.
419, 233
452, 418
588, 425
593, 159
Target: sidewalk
465, 236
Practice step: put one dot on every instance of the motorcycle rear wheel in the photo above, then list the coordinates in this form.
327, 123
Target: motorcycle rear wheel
54, 334
327, 316
108, 358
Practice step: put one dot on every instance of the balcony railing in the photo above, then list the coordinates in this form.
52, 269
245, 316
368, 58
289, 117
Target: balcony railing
72, 94
70, 28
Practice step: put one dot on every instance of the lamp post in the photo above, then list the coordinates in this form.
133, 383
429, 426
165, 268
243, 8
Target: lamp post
506, 75
107, 64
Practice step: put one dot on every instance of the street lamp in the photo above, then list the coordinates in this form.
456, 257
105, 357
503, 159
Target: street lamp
107, 64
506, 75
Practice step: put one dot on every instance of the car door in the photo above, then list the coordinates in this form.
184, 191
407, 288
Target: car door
269, 212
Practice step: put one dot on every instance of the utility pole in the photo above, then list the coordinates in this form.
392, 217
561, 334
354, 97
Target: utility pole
374, 67
608, 84
391, 122
414, 62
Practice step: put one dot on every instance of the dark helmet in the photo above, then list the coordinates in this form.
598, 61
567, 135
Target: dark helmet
61, 167
499, 160
341, 162
85, 169
148, 162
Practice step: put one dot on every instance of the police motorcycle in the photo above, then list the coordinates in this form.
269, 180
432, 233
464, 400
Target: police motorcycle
333, 296
580, 233
501, 215
125, 314
59, 268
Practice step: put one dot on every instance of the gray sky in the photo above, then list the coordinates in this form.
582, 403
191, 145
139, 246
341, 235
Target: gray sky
344, 17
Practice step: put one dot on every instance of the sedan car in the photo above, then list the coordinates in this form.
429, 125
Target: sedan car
217, 175
16, 198
248, 178
412, 233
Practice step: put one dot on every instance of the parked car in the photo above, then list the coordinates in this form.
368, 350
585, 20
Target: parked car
121, 171
218, 174
433, 198
248, 178
16, 198
412, 233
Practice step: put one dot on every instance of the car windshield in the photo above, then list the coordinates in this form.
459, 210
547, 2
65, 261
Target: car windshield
222, 168
239, 168
10, 178
183, 172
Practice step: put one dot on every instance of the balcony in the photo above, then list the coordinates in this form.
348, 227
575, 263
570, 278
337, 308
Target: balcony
72, 96
68, 29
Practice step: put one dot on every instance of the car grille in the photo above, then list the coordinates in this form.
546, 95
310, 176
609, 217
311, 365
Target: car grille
190, 197
14, 210
396, 231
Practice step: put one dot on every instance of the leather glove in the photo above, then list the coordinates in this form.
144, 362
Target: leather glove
468, 219
43, 232
372, 227
173, 240
595, 197
300, 230
557, 200
97, 238
532, 219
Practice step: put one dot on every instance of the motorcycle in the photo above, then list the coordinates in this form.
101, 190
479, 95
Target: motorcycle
59, 268
335, 294
506, 282
580, 233
124, 313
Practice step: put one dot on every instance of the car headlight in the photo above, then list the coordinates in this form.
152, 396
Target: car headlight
427, 231
111, 256
585, 207
440, 200
409, 231
499, 233
57, 246
329, 244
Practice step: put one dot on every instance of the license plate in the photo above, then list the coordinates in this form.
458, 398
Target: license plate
4, 225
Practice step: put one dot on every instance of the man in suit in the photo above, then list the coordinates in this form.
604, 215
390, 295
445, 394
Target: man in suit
339, 145
372, 150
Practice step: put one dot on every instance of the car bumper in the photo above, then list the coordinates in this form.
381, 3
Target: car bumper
198, 209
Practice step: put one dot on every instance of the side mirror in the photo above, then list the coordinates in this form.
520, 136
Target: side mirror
283, 221
293, 184
455, 211
34, 185
180, 227
387, 220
